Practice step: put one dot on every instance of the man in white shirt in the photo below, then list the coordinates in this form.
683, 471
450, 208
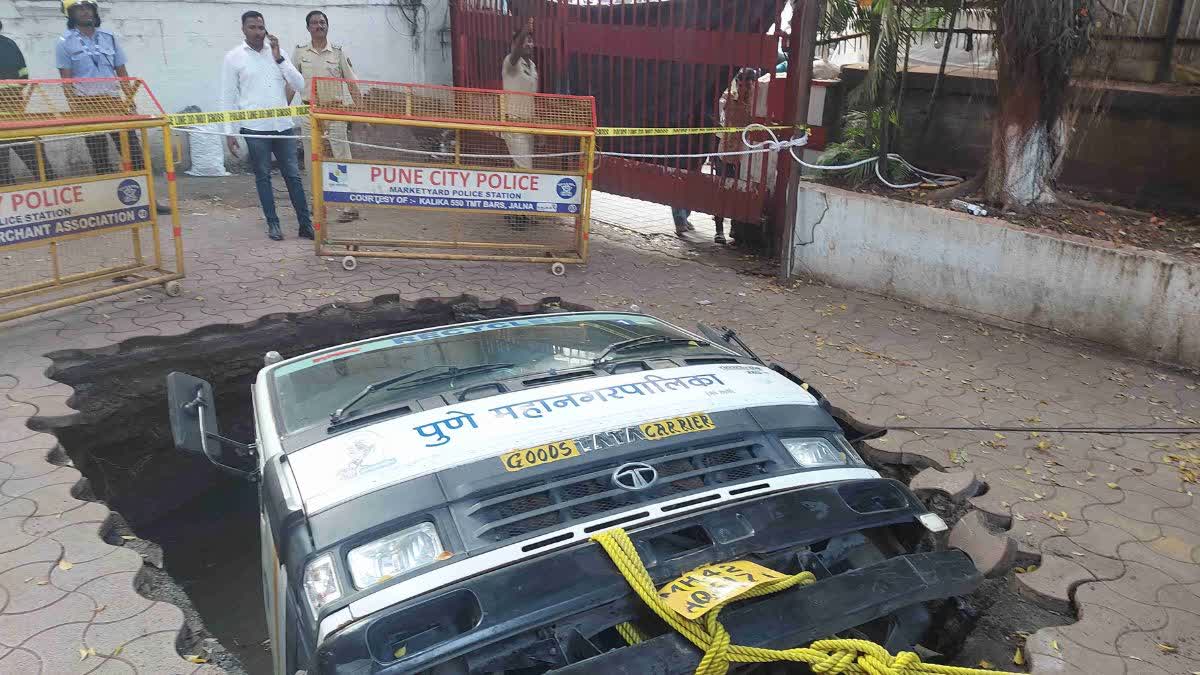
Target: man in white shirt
254, 76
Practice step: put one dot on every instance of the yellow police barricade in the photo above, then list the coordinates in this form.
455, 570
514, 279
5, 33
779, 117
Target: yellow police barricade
78, 220
451, 173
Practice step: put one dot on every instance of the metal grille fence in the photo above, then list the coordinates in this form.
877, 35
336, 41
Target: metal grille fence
649, 64
444, 172
51, 103
434, 103
78, 214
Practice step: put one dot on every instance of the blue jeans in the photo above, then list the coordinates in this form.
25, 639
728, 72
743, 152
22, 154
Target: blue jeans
284, 149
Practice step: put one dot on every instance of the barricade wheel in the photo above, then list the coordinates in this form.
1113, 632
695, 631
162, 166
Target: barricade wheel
173, 289
558, 269
349, 263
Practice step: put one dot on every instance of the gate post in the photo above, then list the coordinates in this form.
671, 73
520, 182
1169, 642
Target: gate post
801, 48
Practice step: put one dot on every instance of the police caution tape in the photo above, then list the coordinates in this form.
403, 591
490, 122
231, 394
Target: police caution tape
227, 116
233, 116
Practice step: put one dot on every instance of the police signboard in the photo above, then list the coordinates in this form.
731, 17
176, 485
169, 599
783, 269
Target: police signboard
452, 188
46, 212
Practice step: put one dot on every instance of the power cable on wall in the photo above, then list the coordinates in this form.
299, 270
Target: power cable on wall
416, 15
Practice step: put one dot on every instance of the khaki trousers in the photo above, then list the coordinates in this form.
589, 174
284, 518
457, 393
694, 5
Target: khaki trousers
338, 144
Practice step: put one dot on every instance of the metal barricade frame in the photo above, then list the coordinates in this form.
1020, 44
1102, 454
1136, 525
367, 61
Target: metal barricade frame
461, 111
35, 115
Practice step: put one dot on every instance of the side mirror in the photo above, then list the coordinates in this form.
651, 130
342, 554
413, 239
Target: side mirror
193, 412
725, 337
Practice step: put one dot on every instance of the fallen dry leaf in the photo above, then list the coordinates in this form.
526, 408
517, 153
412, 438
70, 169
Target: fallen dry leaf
85, 652
1167, 648
1054, 645
64, 565
985, 664
1113, 486
194, 658
1018, 657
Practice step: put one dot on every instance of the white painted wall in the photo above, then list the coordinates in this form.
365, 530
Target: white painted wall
1145, 302
177, 47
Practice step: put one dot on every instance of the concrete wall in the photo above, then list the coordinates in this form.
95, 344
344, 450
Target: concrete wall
1140, 148
177, 47
1143, 302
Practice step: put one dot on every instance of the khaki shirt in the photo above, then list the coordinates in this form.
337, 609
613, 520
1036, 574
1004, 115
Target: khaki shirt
331, 61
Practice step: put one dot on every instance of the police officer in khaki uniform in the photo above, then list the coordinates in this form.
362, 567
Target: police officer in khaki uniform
320, 58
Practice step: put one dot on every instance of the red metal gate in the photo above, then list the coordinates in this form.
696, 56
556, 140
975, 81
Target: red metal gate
648, 63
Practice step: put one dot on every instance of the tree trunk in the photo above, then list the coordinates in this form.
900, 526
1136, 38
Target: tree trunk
1023, 165
1026, 155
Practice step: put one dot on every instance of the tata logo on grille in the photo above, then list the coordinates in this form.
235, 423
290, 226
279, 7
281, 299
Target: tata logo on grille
635, 476
129, 192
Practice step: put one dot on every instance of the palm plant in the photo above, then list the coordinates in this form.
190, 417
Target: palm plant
1038, 45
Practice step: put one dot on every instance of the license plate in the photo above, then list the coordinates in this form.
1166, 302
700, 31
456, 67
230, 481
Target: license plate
686, 424
695, 593
518, 460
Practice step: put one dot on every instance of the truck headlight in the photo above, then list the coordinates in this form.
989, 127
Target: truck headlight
817, 452
321, 585
394, 555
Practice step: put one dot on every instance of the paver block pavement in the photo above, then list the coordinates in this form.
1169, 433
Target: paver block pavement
992, 554
878, 358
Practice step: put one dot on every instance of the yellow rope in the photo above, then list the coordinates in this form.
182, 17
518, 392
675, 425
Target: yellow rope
858, 657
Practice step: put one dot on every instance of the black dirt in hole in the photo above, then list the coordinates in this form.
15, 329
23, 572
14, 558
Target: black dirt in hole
197, 527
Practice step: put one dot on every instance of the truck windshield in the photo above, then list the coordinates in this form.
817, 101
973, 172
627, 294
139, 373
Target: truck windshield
306, 390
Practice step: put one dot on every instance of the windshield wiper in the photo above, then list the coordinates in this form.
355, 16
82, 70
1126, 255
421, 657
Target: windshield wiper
645, 341
410, 379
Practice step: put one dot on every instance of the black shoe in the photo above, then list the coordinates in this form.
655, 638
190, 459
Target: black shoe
306, 233
162, 209
274, 232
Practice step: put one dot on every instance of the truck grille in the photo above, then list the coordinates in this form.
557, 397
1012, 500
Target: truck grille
553, 503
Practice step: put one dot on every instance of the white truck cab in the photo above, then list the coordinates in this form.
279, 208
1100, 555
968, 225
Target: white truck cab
427, 498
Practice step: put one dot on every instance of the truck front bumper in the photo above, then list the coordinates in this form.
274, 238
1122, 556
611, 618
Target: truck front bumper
545, 612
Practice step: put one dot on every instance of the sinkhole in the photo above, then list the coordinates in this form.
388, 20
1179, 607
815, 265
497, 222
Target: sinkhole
196, 526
